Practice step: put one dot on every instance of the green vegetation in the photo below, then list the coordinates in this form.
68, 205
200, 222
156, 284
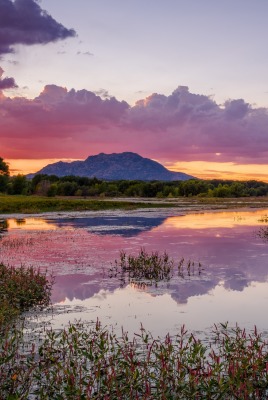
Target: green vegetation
95, 363
36, 204
4, 175
145, 269
20, 289
80, 186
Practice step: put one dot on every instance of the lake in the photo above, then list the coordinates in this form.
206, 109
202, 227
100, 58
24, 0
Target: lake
81, 248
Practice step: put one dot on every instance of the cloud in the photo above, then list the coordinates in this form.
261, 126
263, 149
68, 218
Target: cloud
182, 126
24, 22
84, 53
6, 83
103, 93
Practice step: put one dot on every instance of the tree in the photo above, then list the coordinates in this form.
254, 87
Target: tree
4, 175
19, 184
4, 168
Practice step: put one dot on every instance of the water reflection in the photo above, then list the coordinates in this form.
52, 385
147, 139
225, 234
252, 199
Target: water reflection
3, 226
80, 251
127, 226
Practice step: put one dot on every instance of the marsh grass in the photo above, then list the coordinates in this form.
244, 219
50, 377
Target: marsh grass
147, 269
36, 204
95, 363
13, 204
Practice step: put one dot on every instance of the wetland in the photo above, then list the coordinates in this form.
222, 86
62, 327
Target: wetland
81, 251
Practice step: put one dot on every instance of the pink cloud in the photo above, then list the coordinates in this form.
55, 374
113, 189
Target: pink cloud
180, 127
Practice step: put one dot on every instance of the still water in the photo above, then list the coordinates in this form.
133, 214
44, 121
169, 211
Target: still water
80, 249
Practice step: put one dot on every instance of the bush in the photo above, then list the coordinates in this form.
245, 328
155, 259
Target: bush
20, 289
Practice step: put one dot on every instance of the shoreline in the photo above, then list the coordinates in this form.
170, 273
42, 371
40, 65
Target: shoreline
168, 207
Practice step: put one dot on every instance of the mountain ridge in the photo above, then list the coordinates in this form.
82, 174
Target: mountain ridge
115, 166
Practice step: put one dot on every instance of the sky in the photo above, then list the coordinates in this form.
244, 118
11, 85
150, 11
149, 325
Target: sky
184, 82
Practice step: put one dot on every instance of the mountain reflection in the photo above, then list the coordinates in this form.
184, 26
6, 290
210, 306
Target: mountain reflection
127, 226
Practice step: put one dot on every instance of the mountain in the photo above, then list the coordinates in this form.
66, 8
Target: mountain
127, 166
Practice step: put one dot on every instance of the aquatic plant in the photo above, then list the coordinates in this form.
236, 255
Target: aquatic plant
263, 233
95, 363
146, 269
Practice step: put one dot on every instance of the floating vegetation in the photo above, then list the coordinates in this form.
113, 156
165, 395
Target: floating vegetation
146, 269
263, 233
16, 242
96, 364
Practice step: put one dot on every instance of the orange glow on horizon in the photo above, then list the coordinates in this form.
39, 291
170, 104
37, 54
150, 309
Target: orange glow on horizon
199, 169
227, 170
25, 167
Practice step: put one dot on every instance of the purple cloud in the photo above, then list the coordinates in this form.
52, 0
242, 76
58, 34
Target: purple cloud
24, 22
6, 83
180, 127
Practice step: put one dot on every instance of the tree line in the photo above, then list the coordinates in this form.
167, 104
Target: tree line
52, 185
45, 185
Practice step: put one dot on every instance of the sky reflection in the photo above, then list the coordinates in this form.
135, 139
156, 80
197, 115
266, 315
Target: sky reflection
80, 251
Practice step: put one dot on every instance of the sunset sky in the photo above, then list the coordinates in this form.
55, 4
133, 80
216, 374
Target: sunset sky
184, 82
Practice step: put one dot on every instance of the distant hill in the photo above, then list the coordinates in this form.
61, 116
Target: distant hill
125, 166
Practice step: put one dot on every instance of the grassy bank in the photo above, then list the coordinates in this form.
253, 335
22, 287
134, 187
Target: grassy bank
35, 204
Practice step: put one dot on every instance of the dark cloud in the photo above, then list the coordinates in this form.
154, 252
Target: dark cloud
6, 83
24, 22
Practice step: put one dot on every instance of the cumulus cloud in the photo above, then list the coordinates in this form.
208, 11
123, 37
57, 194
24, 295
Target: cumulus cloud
6, 83
24, 22
182, 126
